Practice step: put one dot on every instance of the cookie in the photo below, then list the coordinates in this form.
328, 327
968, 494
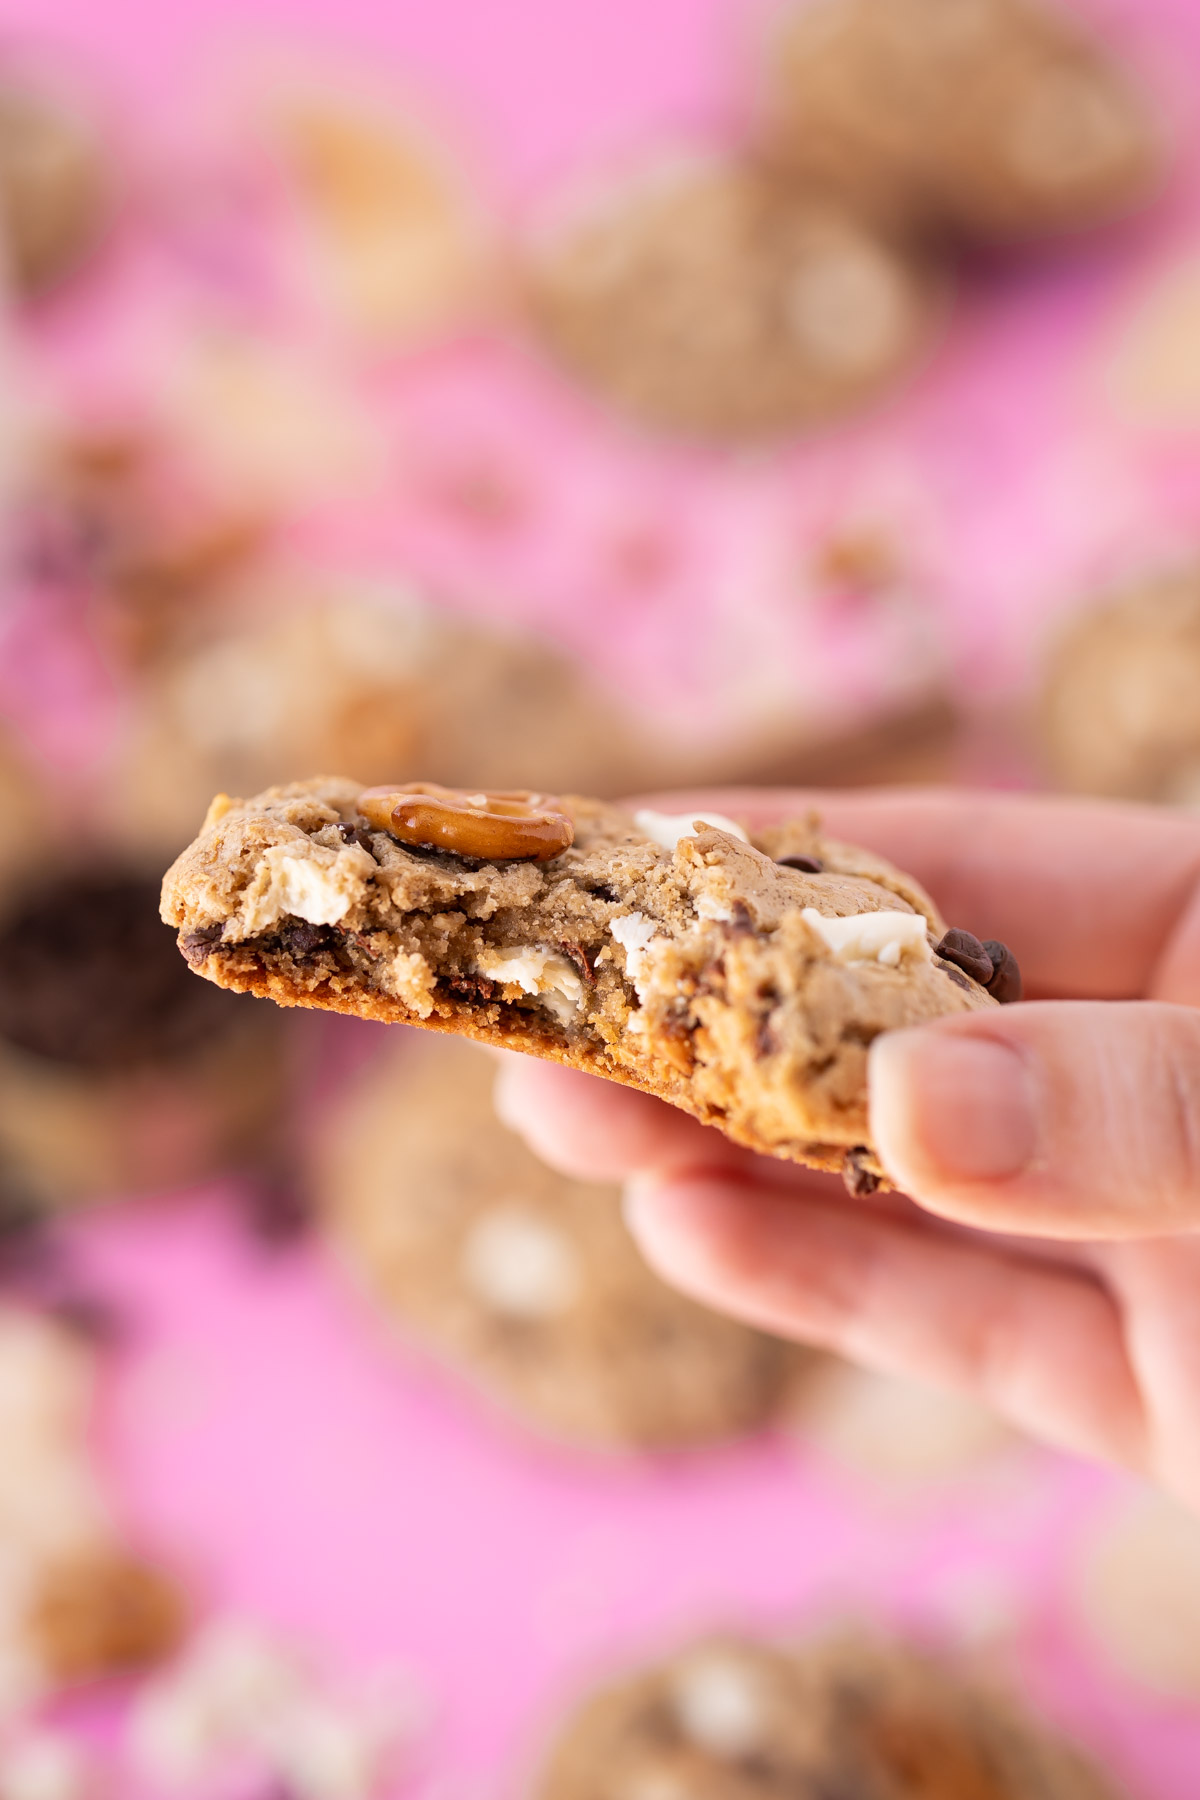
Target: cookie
732, 1717
115, 1075
386, 235
898, 1436
346, 681
1137, 1591
991, 120
712, 301
527, 1282
24, 800
54, 184
74, 1603
741, 981
1120, 704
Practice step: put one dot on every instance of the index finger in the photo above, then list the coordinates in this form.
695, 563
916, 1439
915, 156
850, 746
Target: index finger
1097, 899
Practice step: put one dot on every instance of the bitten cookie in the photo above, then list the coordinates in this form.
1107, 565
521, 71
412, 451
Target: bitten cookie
731, 1718
740, 980
713, 301
1120, 704
990, 119
528, 1282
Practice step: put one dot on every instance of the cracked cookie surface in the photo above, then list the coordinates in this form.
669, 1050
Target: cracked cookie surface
741, 978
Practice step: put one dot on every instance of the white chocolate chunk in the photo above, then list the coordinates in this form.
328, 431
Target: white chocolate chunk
635, 933
719, 1703
318, 885
709, 907
666, 829
408, 975
883, 937
552, 978
520, 1266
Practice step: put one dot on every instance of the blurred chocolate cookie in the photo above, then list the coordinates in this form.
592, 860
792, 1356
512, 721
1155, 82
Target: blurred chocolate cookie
1120, 704
730, 1718
116, 1074
712, 301
527, 1282
992, 120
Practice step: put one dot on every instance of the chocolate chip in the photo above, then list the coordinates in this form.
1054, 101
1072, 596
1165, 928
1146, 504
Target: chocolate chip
473, 988
966, 953
956, 976
1004, 983
579, 956
859, 1179
354, 834
807, 865
300, 938
197, 944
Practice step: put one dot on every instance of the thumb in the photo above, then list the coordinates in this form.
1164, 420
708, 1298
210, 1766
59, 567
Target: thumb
1055, 1119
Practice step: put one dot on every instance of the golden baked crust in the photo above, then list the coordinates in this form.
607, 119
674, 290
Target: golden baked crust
692, 973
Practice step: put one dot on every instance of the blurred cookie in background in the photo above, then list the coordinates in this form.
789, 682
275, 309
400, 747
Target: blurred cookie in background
75, 1603
1136, 1586
707, 299
1119, 711
729, 1717
989, 120
898, 1436
1147, 368
386, 234
379, 683
24, 807
121, 1074
105, 515
526, 1282
57, 185
249, 1710
918, 741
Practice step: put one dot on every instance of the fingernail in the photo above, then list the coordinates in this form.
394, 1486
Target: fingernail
947, 1106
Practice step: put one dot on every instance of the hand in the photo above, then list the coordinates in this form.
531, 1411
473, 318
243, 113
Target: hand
1048, 1260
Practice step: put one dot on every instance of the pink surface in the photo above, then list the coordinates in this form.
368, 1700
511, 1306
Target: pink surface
364, 1503
258, 1426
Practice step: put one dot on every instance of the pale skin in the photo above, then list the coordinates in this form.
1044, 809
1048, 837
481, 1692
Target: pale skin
1048, 1258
